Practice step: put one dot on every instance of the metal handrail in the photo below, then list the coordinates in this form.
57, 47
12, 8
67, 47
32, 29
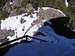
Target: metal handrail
8, 42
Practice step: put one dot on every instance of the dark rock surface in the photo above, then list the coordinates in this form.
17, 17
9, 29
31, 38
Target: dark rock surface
60, 27
22, 21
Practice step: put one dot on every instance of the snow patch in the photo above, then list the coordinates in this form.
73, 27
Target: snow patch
13, 23
66, 3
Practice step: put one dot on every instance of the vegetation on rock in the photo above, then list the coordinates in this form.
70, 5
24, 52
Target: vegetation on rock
58, 4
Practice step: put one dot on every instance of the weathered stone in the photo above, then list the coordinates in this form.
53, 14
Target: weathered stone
22, 21
5, 33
